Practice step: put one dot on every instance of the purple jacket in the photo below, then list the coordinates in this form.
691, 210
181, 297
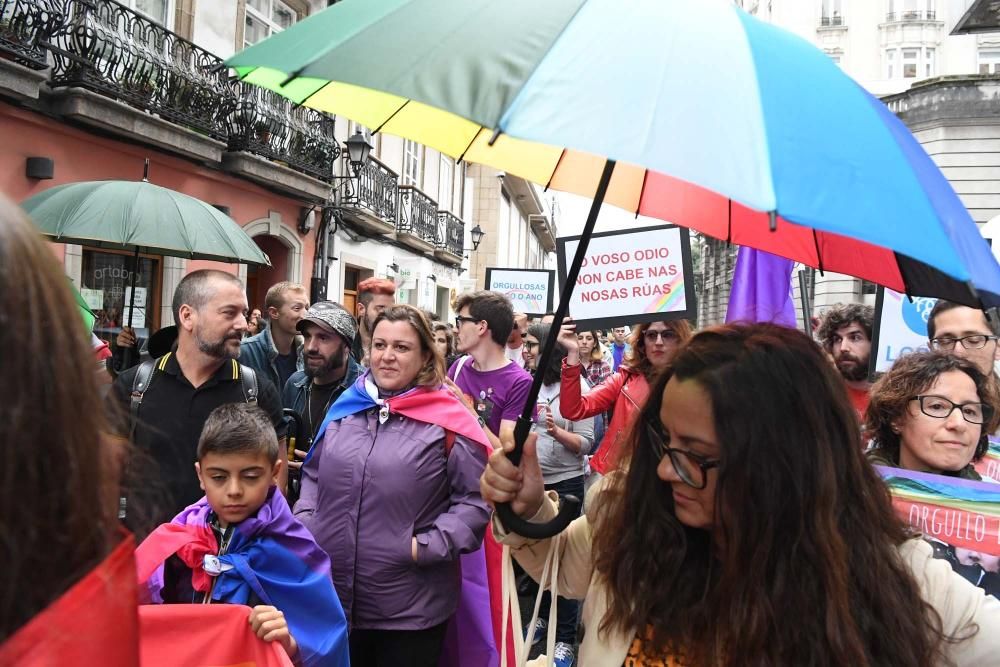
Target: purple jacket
367, 489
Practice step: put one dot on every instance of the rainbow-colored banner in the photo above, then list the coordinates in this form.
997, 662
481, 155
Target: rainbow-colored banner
989, 465
962, 513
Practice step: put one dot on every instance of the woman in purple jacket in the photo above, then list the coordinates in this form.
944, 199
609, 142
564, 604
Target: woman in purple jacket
391, 492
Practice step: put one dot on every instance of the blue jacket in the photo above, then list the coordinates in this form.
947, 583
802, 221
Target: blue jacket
296, 390
258, 352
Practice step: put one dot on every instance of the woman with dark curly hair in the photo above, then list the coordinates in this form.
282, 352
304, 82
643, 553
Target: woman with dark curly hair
748, 528
932, 412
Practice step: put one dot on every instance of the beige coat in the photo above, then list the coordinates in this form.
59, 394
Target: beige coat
960, 604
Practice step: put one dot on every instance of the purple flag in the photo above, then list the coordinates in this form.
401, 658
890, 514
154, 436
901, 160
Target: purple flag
762, 289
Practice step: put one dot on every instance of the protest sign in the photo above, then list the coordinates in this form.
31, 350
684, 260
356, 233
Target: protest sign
900, 327
630, 277
529, 290
989, 465
959, 517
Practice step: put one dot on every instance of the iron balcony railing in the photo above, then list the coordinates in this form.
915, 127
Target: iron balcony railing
911, 15
451, 234
26, 26
376, 188
831, 20
417, 214
268, 124
107, 48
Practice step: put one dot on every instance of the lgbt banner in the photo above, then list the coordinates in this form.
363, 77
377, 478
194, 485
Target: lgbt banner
960, 518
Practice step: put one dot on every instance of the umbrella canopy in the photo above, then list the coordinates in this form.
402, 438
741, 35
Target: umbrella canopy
700, 104
143, 218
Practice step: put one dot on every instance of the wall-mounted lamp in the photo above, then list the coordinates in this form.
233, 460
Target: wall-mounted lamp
432, 277
307, 219
358, 150
477, 235
394, 267
40, 168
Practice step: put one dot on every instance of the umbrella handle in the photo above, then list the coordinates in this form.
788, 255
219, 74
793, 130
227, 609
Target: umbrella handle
569, 507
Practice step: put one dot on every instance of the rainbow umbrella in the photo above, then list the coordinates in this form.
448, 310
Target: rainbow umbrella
693, 112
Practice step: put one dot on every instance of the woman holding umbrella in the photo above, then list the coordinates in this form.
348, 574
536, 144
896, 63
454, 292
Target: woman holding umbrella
740, 536
653, 346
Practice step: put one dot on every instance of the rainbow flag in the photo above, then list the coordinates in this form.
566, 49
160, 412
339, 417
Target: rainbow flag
959, 512
271, 557
989, 465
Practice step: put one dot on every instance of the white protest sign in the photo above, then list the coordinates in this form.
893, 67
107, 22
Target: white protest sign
629, 277
529, 290
140, 297
94, 298
900, 327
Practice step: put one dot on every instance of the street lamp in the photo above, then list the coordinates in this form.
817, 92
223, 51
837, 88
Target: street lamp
477, 235
358, 150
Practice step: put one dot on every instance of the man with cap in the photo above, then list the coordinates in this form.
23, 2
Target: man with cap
327, 331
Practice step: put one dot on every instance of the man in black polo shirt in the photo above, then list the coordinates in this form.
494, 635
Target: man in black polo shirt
199, 375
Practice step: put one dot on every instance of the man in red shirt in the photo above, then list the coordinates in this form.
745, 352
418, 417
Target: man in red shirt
846, 334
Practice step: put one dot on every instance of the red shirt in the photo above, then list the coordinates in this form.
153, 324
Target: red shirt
859, 399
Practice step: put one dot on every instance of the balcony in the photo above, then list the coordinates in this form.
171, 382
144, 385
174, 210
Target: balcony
911, 15
118, 71
418, 220
371, 201
451, 238
831, 21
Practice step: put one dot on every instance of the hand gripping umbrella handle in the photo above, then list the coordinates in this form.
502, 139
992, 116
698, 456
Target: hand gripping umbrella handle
569, 506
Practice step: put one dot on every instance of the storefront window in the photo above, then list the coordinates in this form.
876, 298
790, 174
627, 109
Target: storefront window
106, 283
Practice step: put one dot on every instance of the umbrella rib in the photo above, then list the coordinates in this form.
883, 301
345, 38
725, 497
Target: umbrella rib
819, 256
391, 116
474, 137
554, 170
729, 222
642, 191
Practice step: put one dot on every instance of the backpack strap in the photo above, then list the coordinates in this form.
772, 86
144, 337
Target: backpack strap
143, 377
458, 369
248, 378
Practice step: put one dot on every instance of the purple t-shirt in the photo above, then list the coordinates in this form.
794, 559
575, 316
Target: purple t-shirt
497, 395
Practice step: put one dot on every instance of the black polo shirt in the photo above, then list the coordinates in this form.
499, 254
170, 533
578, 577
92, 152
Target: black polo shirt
171, 418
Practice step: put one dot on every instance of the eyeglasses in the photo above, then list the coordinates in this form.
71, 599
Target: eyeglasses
941, 408
462, 318
973, 342
666, 334
528, 345
690, 467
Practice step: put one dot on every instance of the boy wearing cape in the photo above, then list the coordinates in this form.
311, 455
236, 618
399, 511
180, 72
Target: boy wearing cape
240, 544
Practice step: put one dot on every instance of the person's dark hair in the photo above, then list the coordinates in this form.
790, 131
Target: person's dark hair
809, 571
369, 287
636, 357
59, 497
842, 314
275, 297
494, 308
432, 374
238, 428
195, 289
911, 375
943, 306
552, 373
441, 326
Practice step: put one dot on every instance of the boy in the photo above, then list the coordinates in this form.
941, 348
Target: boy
240, 544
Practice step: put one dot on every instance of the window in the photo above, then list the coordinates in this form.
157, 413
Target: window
265, 18
929, 64
413, 162
989, 61
106, 280
911, 10
831, 13
446, 183
910, 58
890, 63
156, 10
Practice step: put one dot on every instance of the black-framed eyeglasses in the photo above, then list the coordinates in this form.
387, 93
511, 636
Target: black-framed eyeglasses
941, 408
972, 342
651, 335
528, 345
463, 318
690, 467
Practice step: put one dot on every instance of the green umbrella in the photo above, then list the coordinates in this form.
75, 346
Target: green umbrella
143, 218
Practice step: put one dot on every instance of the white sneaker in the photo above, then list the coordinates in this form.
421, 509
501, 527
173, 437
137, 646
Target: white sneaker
563, 656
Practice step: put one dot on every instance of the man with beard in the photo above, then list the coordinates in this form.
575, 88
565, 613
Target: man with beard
183, 387
846, 334
374, 296
327, 330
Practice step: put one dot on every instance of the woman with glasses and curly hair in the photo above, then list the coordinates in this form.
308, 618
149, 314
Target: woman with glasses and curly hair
653, 345
932, 412
748, 529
